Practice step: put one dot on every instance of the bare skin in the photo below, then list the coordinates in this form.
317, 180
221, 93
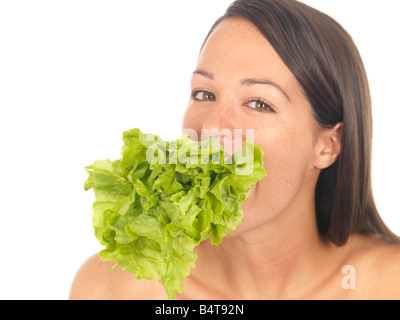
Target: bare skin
276, 253
373, 279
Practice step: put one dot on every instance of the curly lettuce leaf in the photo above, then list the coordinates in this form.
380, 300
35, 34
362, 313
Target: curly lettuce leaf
161, 199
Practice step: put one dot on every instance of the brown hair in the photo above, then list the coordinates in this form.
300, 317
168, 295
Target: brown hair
325, 61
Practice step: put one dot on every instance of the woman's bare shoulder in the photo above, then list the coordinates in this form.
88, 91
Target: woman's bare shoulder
377, 267
387, 263
95, 281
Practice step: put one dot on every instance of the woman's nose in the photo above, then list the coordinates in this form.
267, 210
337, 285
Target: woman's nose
219, 125
218, 122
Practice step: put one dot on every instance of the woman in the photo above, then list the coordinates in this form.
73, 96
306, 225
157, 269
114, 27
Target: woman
310, 229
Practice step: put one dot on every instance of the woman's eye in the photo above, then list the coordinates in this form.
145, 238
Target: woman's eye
260, 105
203, 96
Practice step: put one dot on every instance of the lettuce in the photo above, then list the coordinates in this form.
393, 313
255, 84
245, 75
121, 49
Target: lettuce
161, 199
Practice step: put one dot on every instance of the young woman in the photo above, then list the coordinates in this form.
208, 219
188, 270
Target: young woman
310, 229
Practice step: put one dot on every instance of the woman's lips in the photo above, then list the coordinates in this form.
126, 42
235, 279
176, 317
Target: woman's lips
231, 141
230, 145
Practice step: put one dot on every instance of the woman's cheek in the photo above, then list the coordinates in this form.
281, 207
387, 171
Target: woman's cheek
193, 119
282, 153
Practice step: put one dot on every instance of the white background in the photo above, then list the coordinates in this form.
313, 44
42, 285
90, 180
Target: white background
75, 74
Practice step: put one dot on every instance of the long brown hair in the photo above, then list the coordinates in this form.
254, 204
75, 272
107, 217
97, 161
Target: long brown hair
325, 61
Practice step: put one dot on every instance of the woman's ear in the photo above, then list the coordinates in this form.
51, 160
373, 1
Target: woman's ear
328, 146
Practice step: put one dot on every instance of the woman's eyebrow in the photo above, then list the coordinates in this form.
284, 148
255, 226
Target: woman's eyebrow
204, 74
247, 82
250, 82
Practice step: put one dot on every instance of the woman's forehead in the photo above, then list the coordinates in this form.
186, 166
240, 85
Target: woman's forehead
236, 50
236, 35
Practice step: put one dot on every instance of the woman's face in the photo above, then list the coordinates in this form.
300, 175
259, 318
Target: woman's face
240, 82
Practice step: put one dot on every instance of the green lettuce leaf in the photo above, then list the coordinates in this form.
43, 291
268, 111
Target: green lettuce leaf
161, 199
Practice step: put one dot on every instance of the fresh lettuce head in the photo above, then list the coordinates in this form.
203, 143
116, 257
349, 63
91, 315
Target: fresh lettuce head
161, 199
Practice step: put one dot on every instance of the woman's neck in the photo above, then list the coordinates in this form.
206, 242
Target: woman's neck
277, 259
